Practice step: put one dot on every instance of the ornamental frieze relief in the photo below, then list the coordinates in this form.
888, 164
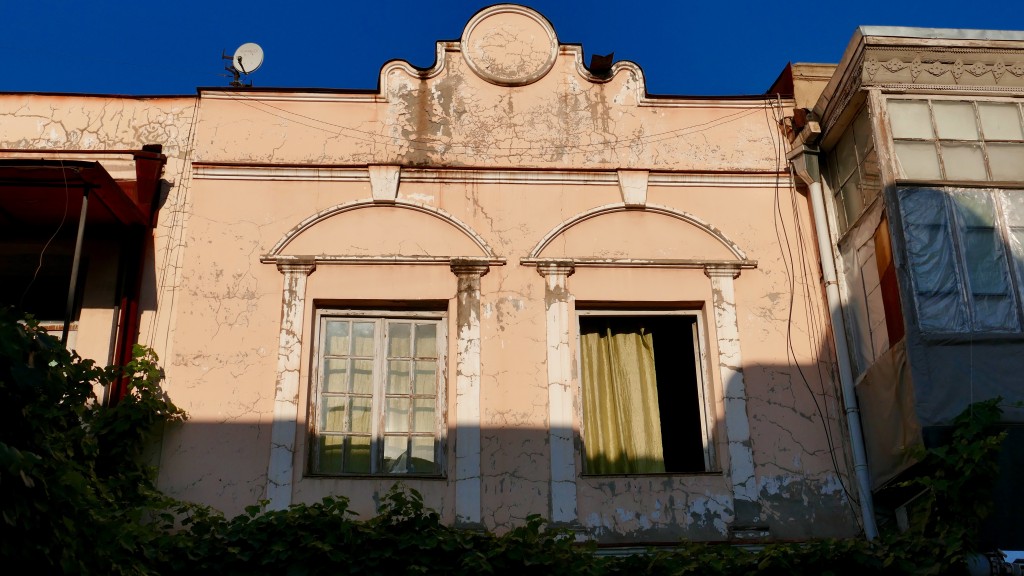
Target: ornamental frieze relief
925, 71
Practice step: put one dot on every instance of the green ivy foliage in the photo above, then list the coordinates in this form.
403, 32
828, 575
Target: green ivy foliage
76, 498
74, 493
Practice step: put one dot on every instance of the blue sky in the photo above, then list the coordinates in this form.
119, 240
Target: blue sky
690, 48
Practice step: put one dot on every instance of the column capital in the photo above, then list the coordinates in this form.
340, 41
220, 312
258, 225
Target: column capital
556, 268
721, 271
470, 266
305, 265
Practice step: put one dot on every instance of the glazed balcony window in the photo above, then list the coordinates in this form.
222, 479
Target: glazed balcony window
976, 141
851, 169
966, 254
378, 395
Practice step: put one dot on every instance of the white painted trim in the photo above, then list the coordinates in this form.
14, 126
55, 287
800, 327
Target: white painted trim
561, 431
280, 468
467, 393
730, 365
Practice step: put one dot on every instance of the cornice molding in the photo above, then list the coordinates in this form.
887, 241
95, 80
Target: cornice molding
484, 176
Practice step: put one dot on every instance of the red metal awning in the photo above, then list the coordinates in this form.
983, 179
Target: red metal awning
41, 190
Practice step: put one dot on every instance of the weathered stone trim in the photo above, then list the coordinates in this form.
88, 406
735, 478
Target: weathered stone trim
633, 187
643, 263
467, 390
384, 182
280, 468
560, 397
737, 423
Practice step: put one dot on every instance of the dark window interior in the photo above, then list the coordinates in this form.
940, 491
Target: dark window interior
676, 372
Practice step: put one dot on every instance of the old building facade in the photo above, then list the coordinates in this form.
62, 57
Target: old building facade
514, 283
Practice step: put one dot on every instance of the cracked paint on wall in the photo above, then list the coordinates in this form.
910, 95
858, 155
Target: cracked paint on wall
512, 157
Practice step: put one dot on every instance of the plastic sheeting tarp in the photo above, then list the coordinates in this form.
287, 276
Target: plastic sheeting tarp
888, 416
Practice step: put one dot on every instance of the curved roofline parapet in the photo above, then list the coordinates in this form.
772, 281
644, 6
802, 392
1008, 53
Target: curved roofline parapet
315, 219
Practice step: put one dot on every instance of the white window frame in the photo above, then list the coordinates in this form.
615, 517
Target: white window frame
382, 316
702, 375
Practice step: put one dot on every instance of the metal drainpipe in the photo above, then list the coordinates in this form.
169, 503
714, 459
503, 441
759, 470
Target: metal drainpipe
811, 176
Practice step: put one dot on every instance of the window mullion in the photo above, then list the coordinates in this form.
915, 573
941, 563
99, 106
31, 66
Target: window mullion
957, 230
379, 381
982, 140
936, 140
1003, 226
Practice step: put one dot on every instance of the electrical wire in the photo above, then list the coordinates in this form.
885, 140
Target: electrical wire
782, 235
175, 236
430, 145
63, 219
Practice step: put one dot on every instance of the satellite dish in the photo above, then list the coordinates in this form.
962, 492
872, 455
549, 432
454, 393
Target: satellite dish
248, 58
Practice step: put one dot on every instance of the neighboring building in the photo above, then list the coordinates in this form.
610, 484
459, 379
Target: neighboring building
922, 158
513, 283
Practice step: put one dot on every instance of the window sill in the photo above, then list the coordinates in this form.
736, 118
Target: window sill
650, 475
970, 337
917, 183
374, 477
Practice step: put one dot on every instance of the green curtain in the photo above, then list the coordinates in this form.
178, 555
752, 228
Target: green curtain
622, 426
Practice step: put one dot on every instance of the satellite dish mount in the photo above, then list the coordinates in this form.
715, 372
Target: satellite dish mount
246, 60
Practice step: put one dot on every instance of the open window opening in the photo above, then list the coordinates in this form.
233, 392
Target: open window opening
644, 409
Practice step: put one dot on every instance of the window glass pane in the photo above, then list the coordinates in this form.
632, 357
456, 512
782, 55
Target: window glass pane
917, 160
940, 306
862, 133
335, 375
1000, 121
840, 206
909, 119
361, 410
870, 177
331, 454
1006, 161
426, 340
332, 413
357, 454
846, 155
398, 376
423, 415
336, 341
963, 162
362, 376
955, 120
423, 460
399, 334
853, 203
426, 377
831, 174
396, 456
1013, 206
362, 335
367, 419
398, 411
984, 255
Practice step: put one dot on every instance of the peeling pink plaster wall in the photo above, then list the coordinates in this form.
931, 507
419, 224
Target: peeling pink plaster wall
512, 163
